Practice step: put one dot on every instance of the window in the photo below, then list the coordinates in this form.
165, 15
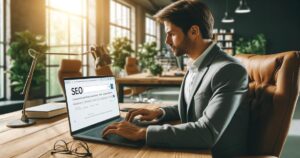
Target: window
151, 30
121, 20
66, 34
2, 51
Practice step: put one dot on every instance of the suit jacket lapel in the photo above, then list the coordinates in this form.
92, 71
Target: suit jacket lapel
202, 70
182, 105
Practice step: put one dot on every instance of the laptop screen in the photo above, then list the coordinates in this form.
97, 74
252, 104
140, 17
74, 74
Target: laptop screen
91, 100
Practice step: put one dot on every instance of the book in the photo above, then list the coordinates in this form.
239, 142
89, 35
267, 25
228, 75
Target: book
46, 110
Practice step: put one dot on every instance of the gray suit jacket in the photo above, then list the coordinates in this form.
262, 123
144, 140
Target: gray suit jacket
216, 117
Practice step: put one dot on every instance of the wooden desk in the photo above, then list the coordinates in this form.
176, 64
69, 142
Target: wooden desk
35, 140
144, 80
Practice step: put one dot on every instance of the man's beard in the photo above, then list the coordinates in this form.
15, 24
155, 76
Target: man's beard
183, 48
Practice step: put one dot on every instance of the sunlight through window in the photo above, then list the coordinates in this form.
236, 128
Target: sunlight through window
66, 34
2, 50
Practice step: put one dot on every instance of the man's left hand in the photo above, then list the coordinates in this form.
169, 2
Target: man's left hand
125, 129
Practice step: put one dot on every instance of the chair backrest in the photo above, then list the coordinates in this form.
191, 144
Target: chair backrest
69, 68
104, 71
273, 92
131, 66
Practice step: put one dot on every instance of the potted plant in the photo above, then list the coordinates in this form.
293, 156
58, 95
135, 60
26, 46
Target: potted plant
146, 55
156, 69
21, 63
256, 45
120, 49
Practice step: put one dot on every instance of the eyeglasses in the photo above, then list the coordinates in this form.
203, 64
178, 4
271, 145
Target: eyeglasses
76, 148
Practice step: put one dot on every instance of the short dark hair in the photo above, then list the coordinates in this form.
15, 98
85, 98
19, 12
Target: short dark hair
186, 13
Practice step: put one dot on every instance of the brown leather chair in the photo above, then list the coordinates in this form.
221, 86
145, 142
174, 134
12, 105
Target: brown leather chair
104, 71
69, 68
273, 92
131, 67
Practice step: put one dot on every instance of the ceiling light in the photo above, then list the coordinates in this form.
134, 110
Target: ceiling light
242, 8
226, 18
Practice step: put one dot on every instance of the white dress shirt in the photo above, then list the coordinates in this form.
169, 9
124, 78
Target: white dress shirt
192, 67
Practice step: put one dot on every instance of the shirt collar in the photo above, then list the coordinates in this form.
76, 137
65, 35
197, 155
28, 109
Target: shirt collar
193, 65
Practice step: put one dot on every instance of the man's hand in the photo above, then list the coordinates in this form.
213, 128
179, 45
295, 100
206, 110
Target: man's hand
147, 114
125, 129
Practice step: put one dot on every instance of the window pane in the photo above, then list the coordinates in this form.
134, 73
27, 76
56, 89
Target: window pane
112, 33
75, 57
71, 6
1, 83
53, 85
151, 30
1, 20
150, 26
83, 7
150, 39
1, 55
58, 28
124, 17
127, 15
77, 50
75, 30
127, 34
118, 13
63, 49
84, 32
56, 59
113, 12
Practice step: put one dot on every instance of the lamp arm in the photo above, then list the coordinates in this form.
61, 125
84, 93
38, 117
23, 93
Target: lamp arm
27, 86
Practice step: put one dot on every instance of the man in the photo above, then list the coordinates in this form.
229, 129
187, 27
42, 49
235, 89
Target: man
212, 105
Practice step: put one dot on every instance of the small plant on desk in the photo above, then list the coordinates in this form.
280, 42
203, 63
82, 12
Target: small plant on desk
156, 69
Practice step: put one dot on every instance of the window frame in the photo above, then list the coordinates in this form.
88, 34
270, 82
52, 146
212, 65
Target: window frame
84, 20
4, 47
131, 21
157, 30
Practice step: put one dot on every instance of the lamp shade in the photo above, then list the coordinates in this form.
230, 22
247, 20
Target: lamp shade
242, 8
227, 19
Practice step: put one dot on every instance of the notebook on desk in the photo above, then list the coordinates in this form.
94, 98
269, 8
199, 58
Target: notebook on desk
92, 104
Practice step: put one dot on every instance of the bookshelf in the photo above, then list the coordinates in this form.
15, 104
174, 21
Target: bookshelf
225, 40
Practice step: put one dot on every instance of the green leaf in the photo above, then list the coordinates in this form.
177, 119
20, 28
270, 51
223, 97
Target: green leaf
255, 45
21, 60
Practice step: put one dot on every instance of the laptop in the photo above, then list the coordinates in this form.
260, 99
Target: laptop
92, 104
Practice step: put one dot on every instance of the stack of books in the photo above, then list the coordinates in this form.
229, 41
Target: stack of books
46, 110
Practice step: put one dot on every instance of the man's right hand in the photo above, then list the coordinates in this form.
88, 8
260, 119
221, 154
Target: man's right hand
147, 114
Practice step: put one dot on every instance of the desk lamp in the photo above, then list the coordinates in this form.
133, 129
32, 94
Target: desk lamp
101, 57
25, 121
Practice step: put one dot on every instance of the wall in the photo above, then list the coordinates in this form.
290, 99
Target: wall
279, 20
28, 15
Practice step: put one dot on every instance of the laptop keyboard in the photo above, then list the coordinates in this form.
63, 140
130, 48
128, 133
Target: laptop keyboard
115, 139
97, 132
